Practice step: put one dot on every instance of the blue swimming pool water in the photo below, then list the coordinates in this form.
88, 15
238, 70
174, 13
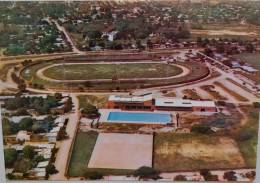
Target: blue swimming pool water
139, 117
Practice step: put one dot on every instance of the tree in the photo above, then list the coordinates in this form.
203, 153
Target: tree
21, 112
230, 176
180, 178
250, 47
26, 124
38, 159
90, 111
22, 87
9, 127
28, 152
51, 169
10, 156
58, 96
62, 134
207, 51
147, 172
256, 104
208, 175
93, 175
220, 47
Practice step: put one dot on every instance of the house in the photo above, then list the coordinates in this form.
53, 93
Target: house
112, 35
52, 137
23, 136
17, 119
5, 112
42, 164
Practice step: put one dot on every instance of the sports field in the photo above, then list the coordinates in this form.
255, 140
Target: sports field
110, 71
122, 151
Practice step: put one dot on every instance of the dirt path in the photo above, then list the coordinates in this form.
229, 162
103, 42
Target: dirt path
64, 146
40, 74
60, 28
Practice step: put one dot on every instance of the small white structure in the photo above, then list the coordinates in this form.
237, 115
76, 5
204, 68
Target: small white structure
112, 35
23, 136
17, 119
42, 164
52, 137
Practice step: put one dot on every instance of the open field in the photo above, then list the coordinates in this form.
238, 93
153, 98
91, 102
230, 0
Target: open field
225, 30
252, 58
110, 71
248, 145
122, 151
183, 152
234, 94
96, 100
82, 150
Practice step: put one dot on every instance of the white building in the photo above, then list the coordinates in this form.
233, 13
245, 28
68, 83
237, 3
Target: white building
23, 136
112, 35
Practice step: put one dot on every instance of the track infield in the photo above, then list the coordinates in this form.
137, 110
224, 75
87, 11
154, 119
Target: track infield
122, 151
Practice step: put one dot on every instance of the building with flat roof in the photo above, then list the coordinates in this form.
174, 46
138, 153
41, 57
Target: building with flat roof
146, 102
130, 102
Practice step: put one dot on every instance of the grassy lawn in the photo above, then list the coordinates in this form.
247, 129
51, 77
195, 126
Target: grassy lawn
110, 71
82, 150
192, 151
96, 100
234, 94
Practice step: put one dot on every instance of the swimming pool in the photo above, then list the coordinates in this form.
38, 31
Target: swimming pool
139, 117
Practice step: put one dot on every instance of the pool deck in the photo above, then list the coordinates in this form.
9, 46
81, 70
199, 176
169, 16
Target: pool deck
103, 120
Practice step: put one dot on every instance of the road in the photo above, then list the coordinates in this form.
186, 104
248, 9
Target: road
64, 145
60, 28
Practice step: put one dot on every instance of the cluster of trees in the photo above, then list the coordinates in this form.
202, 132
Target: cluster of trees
145, 172
90, 111
42, 106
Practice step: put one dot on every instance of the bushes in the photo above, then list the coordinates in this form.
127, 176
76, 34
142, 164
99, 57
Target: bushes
208, 176
200, 128
93, 175
180, 178
10, 156
230, 176
147, 172
245, 134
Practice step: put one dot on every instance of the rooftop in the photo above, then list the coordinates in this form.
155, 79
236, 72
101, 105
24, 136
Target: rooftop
130, 98
164, 102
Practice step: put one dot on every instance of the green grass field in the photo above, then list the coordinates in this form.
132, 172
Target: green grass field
82, 150
110, 71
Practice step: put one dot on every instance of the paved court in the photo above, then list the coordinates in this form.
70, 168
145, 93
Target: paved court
122, 151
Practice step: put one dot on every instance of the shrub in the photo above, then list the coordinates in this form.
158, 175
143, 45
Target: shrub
200, 128
230, 176
51, 169
180, 177
147, 172
93, 175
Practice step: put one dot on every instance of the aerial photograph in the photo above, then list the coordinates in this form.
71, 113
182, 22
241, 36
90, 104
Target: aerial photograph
130, 90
